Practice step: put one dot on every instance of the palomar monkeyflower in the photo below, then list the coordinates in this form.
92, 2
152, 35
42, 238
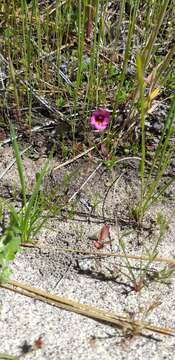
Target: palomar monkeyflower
99, 119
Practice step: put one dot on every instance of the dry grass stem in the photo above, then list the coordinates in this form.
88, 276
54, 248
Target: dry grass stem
127, 325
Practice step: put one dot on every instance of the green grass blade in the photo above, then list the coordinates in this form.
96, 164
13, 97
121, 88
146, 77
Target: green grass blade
19, 164
142, 122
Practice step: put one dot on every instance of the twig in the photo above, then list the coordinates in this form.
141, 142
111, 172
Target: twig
74, 159
108, 190
12, 163
48, 125
113, 254
101, 254
85, 182
42, 100
117, 179
60, 72
112, 319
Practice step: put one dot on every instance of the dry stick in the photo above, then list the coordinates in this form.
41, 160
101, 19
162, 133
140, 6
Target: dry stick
74, 159
12, 163
85, 182
50, 9
61, 73
86, 310
109, 254
96, 169
118, 178
85, 253
48, 125
42, 100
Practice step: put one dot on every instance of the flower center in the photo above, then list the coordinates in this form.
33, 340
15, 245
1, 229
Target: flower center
99, 119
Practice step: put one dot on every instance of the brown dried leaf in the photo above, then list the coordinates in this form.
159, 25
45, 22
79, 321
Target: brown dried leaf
104, 233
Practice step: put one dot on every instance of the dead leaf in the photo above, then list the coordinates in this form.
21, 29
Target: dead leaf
98, 245
104, 233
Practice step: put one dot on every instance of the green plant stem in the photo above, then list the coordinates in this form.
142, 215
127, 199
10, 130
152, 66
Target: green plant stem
19, 164
121, 13
147, 51
132, 22
142, 122
163, 155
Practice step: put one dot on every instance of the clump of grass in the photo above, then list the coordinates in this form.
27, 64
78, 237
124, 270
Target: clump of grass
80, 37
29, 217
24, 223
152, 186
142, 279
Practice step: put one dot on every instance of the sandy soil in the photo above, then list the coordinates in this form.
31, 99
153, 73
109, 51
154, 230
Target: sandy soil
95, 282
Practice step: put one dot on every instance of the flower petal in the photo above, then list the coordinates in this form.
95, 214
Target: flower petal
100, 119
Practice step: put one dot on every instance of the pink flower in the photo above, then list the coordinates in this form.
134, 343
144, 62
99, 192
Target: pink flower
100, 119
